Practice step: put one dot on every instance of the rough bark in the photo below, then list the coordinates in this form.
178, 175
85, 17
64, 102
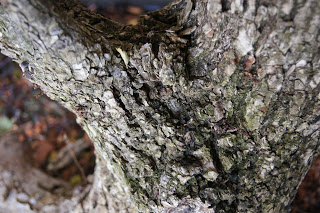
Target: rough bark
216, 109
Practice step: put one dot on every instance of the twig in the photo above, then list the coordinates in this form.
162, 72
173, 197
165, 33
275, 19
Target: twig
242, 127
74, 157
141, 30
234, 129
155, 195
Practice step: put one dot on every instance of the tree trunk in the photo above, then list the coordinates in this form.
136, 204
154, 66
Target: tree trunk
205, 106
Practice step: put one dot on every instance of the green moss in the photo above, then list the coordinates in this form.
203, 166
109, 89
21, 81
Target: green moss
209, 110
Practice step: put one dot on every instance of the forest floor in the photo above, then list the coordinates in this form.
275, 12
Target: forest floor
50, 131
44, 126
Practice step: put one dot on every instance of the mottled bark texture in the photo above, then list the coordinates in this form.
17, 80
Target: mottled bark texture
212, 106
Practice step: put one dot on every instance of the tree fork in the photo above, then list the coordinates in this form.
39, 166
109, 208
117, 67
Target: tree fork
213, 108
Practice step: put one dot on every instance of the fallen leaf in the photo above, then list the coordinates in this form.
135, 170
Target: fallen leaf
5, 124
42, 151
75, 180
21, 138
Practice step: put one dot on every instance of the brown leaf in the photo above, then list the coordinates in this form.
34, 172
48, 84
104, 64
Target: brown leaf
42, 151
29, 132
249, 62
235, 60
21, 138
134, 10
260, 72
264, 110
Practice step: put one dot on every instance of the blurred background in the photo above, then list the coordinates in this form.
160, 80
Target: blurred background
49, 132
147, 5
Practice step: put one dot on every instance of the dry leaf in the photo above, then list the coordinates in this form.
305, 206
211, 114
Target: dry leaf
124, 56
